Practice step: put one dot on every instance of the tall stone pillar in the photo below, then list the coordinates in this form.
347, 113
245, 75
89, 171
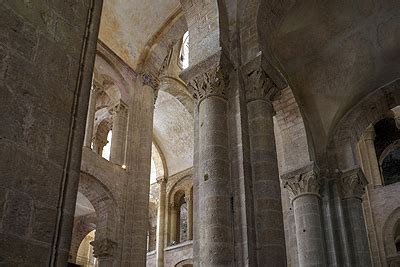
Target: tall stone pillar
209, 82
120, 118
189, 205
104, 250
174, 222
352, 183
161, 221
138, 165
268, 214
91, 115
304, 186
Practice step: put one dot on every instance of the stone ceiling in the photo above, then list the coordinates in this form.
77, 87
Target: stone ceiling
333, 53
127, 26
173, 130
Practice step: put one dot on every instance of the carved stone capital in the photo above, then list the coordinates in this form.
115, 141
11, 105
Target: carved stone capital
161, 179
302, 181
396, 116
103, 248
213, 82
96, 88
209, 77
258, 85
149, 80
120, 109
352, 183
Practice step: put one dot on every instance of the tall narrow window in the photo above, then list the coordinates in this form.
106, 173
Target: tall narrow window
107, 148
184, 53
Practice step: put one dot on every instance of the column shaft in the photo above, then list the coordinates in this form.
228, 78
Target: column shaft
266, 185
215, 214
174, 221
138, 165
90, 117
117, 154
309, 232
190, 217
160, 223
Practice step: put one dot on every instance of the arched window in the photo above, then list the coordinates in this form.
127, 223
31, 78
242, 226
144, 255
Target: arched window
387, 147
85, 252
184, 53
179, 219
107, 148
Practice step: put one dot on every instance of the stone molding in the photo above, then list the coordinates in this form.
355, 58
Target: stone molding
352, 183
303, 181
258, 84
103, 248
209, 77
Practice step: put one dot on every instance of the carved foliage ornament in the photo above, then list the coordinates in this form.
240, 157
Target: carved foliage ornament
210, 83
352, 183
259, 85
103, 248
304, 183
149, 80
119, 109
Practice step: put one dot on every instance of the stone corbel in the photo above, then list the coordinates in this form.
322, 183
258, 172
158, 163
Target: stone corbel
352, 183
103, 248
303, 181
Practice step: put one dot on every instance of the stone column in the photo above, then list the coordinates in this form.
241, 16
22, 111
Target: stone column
174, 221
304, 186
209, 83
369, 137
138, 165
268, 216
189, 205
120, 117
104, 250
161, 221
91, 115
352, 183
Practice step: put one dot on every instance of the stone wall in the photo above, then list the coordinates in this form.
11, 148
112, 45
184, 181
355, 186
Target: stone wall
45, 91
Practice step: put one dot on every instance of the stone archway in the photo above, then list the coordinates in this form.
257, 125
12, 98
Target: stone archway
185, 263
105, 244
390, 236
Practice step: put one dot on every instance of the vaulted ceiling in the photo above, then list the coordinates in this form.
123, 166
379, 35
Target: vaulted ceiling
128, 26
333, 53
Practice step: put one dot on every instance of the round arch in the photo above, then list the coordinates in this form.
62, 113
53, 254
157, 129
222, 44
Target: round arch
390, 233
371, 109
104, 205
